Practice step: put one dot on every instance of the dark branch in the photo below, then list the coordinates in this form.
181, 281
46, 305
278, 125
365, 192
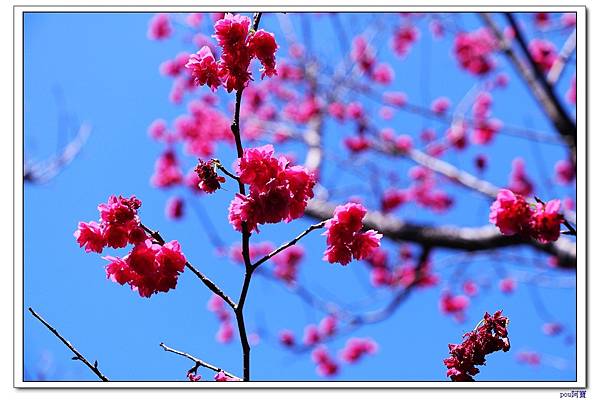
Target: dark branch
450, 237
78, 355
209, 284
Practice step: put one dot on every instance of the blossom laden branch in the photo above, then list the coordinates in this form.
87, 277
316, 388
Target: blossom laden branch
78, 356
450, 237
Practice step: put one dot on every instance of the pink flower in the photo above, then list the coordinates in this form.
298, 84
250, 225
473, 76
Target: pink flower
222, 377
383, 73
457, 135
507, 285
404, 143
204, 68
278, 191
157, 129
231, 30
546, 221
90, 235
344, 239
225, 332
362, 53
357, 144
337, 110
397, 99
543, 53
484, 131
565, 172
209, 181
470, 288
520, 183
159, 27
529, 357
286, 338
286, 263
326, 365
403, 39
355, 110
393, 198
258, 166
454, 305
511, 213
328, 325
552, 328
311, 335
474, 49
263, 46
174, 208
356, 348
440, 105
166, 171
149, 268
193, 377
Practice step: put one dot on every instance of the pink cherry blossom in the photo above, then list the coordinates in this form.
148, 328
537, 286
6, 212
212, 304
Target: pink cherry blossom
159, 27
511, 213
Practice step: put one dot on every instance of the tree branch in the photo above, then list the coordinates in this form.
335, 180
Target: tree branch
288, 244
207, 282
198, 361
537, 83
450, 237
78, 355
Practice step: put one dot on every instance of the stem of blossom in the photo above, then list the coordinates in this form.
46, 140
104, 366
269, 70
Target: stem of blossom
226, 172
288, 244
209, 284
78, 355
198, 361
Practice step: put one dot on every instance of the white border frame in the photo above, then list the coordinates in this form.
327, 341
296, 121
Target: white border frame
581, 189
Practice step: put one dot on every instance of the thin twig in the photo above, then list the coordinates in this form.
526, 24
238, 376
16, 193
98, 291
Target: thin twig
198, 361
209, 284
78, 355
292, 242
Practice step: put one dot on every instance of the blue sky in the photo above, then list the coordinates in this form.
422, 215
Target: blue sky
107, 72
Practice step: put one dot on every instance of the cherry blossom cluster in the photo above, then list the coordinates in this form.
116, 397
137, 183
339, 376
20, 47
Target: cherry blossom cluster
488, 338
454, 305
239, 46
149, 267
473, 51
278, 191
513, 215
345, 240
209, 181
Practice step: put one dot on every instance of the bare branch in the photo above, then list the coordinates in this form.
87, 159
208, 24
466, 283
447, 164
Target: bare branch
78, 355
288, 244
